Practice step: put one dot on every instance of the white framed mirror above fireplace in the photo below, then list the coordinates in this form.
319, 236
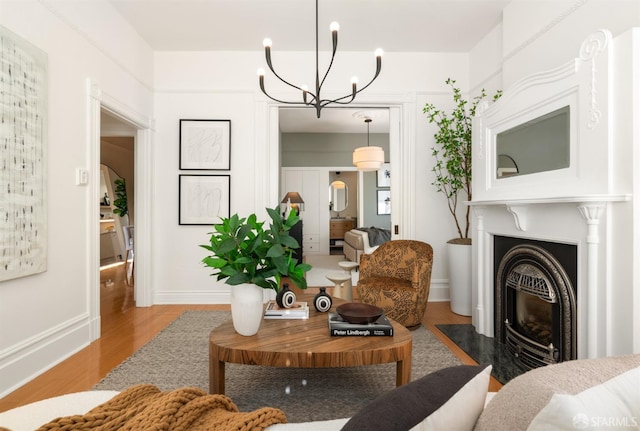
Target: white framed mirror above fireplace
542, 144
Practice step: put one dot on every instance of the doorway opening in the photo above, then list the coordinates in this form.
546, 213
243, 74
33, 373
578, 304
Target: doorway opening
102, 106
117, 213
315, 153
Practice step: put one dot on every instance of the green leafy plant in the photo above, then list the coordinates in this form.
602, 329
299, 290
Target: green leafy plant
243, 251
120, 201
452, 152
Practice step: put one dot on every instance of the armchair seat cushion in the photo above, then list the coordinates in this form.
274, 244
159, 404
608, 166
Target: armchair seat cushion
396, 297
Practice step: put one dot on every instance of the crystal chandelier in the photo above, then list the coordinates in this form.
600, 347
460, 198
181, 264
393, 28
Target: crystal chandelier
314, 99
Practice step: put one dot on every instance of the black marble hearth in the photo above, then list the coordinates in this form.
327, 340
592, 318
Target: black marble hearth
484, 350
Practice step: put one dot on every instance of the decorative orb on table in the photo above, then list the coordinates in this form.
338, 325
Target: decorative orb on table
285, 297
322, 301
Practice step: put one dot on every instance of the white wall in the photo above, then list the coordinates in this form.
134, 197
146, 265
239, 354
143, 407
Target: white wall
45, 317
180, 277
223, 85
539, 36
536, 36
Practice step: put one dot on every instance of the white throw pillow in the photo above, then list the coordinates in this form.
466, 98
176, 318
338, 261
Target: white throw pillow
614, 404
463, 409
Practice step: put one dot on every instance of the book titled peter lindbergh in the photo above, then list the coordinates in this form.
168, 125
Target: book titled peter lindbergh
339, 327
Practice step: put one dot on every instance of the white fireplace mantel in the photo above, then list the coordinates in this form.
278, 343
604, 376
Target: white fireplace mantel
519, 207
590, 204
577, 222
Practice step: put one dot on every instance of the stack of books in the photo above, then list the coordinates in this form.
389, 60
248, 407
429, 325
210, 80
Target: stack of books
339, 327
299, 310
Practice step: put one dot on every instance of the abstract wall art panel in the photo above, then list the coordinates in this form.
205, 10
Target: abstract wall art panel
23, 168
205, 145
203, 199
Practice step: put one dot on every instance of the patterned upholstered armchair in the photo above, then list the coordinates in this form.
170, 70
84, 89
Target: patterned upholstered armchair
397, 277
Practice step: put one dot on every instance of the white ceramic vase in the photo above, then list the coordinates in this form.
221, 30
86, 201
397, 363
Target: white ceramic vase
459, 258
246, 308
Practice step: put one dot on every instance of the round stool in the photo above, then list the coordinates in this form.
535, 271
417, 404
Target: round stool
347, 265
348, 268
342, 283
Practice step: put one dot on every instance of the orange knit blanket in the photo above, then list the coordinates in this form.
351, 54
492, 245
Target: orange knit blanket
145, 407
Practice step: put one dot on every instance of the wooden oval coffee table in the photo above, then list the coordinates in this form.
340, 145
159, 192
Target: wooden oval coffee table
305, 344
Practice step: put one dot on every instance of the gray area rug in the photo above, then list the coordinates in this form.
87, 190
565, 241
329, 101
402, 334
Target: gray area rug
179, 356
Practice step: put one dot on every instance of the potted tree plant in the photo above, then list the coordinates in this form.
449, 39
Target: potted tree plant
250, 258
452, 169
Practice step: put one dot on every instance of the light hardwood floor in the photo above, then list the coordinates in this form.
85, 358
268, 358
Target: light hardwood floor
126, 328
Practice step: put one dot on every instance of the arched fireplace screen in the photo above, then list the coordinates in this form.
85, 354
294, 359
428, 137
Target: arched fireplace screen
535, 305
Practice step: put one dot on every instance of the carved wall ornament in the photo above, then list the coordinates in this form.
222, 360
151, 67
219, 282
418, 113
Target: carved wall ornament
478, 129
519, 213
590, 49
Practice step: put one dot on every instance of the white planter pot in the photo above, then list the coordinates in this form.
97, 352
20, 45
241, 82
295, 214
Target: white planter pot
459, 258
247, 307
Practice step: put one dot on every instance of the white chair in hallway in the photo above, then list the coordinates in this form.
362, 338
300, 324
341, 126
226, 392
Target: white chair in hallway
128, 242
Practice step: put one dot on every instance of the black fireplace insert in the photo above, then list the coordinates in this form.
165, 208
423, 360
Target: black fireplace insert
535, 299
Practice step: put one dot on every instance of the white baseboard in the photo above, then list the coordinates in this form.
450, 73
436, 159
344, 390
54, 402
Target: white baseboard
439, 291
26, 360
200, 297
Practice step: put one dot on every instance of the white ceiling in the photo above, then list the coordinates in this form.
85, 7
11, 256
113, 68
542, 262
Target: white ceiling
393, 25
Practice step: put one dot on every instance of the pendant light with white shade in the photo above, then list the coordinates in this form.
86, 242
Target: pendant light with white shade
369, 158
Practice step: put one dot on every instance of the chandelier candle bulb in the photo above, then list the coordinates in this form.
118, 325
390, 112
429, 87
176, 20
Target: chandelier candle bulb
334, 27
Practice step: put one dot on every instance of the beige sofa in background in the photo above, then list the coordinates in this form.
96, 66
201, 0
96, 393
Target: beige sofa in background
356, 242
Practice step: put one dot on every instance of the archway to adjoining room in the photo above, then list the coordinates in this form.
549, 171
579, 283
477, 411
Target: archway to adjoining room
117, 214
100, 103
401, 152
315, 152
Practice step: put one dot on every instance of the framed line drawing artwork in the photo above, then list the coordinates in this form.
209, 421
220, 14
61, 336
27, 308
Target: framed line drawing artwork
384, 201
203, 199
23, 178
383, 177
205, 145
